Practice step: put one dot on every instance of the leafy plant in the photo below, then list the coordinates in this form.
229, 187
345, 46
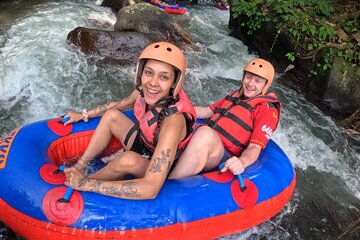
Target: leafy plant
313, 25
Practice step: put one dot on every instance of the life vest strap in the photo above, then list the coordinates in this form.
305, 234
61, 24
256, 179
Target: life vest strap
130, 133
226, 113
155, 118
239, 101
227, 135
170, 111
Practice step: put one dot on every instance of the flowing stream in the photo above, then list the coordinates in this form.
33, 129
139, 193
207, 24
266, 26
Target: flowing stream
42, 76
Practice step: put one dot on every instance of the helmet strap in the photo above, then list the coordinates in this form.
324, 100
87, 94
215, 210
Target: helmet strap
138, 77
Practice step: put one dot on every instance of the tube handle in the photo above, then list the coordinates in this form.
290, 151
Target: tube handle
68, 193
239, 177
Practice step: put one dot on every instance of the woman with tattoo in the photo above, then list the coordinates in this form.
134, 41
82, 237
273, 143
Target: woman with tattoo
164, 123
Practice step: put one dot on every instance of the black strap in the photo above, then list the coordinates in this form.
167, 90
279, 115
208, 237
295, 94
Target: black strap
266, 97
130, 133
227, 135
155, 118
239, 101
170, 111
226, 113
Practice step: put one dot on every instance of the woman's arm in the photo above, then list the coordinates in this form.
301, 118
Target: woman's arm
203, 112
172, 131
123, 104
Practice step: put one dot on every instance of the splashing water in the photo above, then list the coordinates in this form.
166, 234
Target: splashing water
42, 76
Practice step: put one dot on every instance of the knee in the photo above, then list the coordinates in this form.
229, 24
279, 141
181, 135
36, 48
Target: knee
206, 134
126, 161
111, 115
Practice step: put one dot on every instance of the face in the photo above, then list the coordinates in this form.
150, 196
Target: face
157, 79
252, 84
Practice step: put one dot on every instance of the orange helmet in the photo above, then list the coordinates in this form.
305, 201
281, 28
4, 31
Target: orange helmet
263, 69
167, 53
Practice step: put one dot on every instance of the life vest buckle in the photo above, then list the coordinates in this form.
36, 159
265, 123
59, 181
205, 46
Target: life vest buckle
224, 111
167, 112
237, 101
211, 123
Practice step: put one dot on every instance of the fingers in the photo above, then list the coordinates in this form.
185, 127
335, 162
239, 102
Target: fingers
73, 176
68, 122
235, 165
72, 117
224, 169
68, 176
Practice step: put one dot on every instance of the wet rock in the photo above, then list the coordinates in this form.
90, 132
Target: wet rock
137, 26
146, 18
343, 86
116, 5
111, 47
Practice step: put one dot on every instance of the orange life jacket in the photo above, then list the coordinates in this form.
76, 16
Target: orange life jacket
233, 121
147, 121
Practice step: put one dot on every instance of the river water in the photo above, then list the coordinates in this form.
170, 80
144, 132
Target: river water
41, 76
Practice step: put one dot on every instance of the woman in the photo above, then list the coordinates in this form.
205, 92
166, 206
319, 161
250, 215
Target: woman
164, 123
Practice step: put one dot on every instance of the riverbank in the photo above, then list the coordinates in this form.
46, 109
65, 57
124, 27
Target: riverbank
314, 44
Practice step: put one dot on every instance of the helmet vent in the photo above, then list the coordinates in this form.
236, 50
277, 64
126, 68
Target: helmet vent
169, 49
156, 46
260, 65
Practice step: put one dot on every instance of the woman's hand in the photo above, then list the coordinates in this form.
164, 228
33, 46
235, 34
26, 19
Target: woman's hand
74, 117
75, 179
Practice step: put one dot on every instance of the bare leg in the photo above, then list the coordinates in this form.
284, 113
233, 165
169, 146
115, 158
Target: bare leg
113, 123
204, 152
128, 163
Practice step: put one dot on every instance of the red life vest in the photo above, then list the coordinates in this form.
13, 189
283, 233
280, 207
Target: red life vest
233, 121
147, 121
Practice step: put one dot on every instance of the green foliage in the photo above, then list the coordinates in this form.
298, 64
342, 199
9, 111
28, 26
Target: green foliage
313, 25
250, 9
291, 56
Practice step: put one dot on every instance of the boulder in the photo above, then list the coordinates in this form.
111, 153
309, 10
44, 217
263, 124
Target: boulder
116, 5
136, 27
146, 18
343, 86
111, 47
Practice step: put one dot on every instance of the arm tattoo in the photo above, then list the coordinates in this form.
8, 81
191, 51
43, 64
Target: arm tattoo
100, 110
122, 101
82, 182
96, 186
160, 161
128, 190
83, 168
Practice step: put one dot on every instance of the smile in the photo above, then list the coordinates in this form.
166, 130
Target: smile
151, 92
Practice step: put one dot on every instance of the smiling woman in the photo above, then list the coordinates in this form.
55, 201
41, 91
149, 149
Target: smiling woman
164, 124
156, 81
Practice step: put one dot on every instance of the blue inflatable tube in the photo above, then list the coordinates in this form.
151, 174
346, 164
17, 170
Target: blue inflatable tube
199, 207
